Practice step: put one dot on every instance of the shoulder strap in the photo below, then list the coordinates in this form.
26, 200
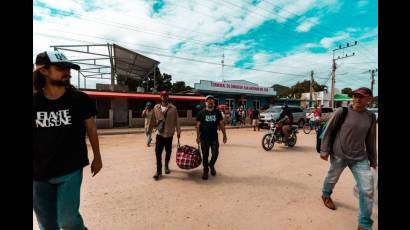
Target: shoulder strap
344, 114
337, 127
165, 115
371, 124
341, 120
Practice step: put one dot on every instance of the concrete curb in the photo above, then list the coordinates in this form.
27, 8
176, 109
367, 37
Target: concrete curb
128, 131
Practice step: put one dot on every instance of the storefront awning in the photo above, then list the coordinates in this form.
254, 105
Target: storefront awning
340, 97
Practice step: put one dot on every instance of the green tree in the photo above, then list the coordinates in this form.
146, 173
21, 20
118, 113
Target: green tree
281, 90
162, 81
165, 82
348, 91
180, 87
127, 80
304, 87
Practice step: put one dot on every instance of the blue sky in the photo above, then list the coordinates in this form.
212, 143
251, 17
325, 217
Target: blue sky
286, 38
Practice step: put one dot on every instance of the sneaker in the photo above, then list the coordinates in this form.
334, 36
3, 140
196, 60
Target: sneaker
328, 202
213, 171
157, 176
205, 176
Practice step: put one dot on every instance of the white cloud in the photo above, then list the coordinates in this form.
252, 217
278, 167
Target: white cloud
73, 5
329, 41
352, 29
310, 45
132, 25
362, 3
370, 33
307, 24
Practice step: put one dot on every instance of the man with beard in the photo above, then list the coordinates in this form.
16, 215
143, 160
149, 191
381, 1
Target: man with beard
207, 124
61, 117
166, 120
350, 141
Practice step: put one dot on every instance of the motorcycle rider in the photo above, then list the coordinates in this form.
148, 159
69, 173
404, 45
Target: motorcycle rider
287, 123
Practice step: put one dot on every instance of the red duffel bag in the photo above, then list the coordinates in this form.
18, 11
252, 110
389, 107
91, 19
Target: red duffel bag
188, 157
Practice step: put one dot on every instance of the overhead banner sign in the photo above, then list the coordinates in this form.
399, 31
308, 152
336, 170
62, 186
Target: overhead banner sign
237, 86
234, 88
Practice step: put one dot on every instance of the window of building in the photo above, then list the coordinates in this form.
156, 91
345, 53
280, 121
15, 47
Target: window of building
257, 104
244, 104
229, 102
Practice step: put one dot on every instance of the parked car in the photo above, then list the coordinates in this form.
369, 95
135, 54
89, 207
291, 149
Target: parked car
375, 111
273, 113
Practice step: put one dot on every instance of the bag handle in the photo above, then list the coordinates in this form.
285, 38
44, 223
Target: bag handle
199, 149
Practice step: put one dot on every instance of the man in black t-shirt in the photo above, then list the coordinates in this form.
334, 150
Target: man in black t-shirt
207, 134
62, 116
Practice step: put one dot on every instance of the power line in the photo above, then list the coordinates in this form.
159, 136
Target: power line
102, 38
139, 45
140, 30
309, 20
294, 22
356, 63
203, 61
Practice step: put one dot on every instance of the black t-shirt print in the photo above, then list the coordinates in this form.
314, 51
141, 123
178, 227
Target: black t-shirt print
209, 124
59, 130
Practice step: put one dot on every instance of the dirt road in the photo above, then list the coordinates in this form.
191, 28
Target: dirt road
253, 189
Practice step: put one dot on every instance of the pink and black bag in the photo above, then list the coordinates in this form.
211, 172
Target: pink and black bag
188, 157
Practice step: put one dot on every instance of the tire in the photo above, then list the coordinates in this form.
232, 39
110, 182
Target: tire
306, 128
267, 142
292, 140
301, 123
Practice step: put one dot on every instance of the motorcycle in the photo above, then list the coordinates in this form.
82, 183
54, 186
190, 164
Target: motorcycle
275, 134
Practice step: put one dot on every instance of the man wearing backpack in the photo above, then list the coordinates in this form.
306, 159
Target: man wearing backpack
350, 140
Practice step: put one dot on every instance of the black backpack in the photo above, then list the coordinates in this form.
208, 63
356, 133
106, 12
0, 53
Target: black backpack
321, 129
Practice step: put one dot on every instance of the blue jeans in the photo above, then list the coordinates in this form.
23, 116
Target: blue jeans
364, 180
56, 202
148, 134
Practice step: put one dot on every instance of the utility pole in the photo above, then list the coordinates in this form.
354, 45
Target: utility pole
155, 75
111, 55
334, 67
311, 88
372, 72
78, 79
223, 63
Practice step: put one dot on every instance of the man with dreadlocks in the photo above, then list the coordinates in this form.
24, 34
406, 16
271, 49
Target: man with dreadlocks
61, 117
